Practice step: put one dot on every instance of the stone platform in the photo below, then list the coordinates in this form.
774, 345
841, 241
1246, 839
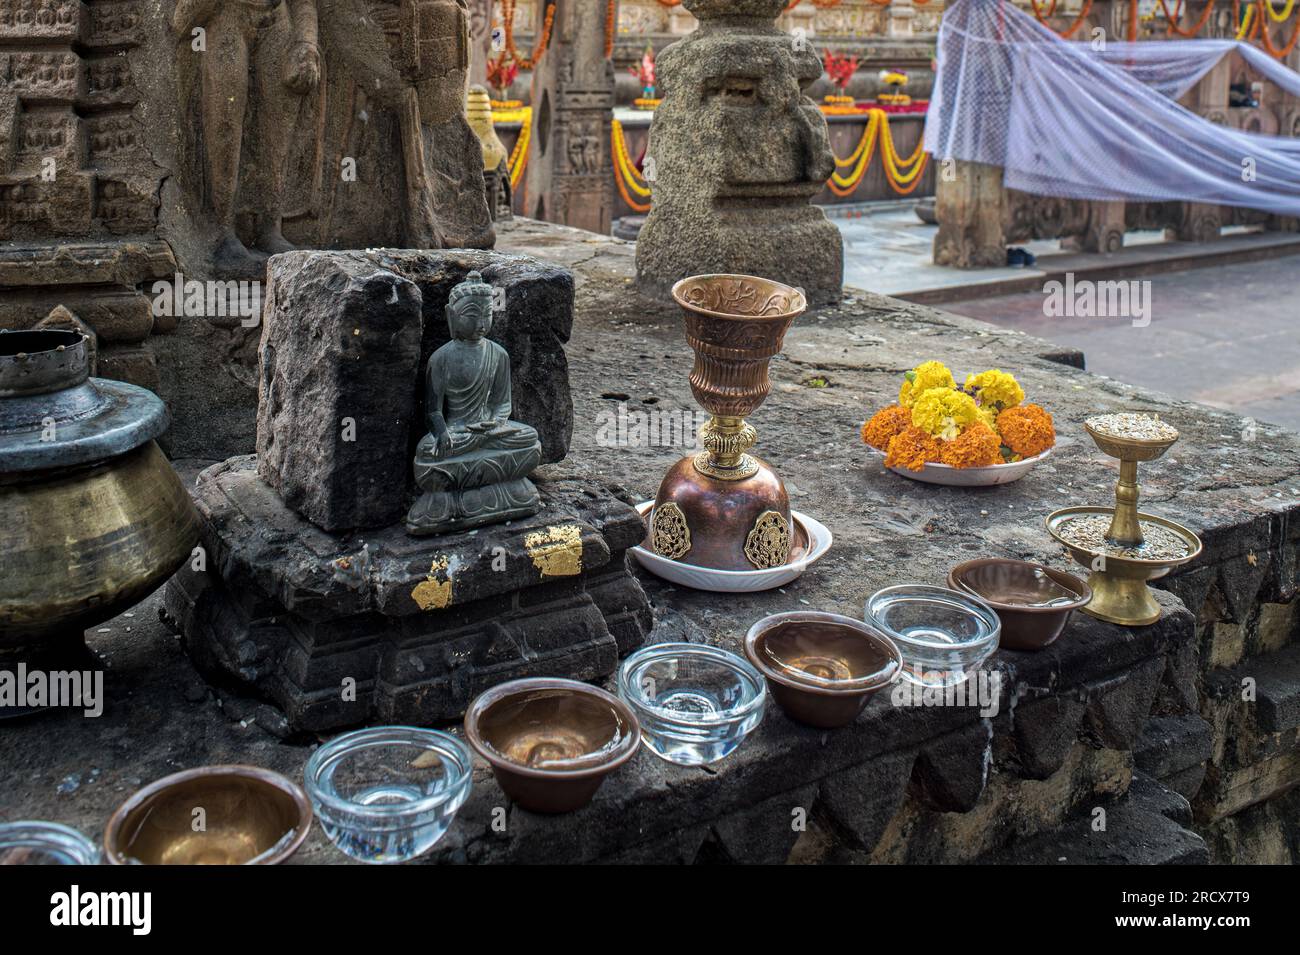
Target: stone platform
1148, 725
340, 630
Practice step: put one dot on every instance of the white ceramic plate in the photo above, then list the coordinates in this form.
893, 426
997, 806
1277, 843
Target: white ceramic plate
950, 476
736, 581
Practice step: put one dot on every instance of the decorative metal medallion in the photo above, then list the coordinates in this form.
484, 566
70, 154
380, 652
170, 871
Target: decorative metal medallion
669, 535
768, 544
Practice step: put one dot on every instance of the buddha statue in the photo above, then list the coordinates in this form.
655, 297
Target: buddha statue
472, 467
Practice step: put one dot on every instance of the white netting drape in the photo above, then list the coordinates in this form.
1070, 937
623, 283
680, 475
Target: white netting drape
1065, 119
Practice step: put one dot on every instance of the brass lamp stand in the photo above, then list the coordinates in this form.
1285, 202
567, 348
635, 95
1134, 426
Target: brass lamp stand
1119, 583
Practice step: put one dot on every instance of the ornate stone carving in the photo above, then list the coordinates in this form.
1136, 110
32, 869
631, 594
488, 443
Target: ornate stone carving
567, 179
738, 152
254, 58
79, 190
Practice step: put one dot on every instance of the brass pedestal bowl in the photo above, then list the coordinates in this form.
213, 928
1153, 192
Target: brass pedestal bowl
214, 815
724, 508
1123, 548
92, 516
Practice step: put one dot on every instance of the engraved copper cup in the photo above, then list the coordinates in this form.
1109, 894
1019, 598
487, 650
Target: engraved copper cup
723, 507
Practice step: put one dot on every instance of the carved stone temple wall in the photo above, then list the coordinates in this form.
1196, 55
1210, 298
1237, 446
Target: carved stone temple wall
79, 190
144, 138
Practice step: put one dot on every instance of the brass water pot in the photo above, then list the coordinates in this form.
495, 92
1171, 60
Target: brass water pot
92, 516
723, 507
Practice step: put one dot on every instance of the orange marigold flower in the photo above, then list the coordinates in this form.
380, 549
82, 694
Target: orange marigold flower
912, 449
976, 447
884, 425
1027, 430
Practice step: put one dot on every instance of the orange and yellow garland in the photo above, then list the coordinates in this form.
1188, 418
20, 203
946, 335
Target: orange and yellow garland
903, 173
630, 182
1252, 26
519, 154
508, 16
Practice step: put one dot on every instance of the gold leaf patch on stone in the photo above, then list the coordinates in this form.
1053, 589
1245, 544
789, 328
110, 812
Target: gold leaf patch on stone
432, 593
556, 551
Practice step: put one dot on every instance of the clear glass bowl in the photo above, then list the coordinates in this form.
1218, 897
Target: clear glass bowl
45, 843
944, 635
695, 703
389, 793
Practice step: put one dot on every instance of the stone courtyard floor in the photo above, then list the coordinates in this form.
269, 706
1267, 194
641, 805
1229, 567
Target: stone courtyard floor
1108, 717
1222, 332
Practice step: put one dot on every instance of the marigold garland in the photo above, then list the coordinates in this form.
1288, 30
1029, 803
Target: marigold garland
626, 177
902, 173
519, 155
548, 23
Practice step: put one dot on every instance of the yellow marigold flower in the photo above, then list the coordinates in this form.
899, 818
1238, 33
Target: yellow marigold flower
884, 425
976, 447
995, 388
1027, 430
943, 412
912, 449
927, 375
989, 415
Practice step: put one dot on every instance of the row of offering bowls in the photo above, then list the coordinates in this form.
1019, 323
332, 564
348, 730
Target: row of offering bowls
389, 793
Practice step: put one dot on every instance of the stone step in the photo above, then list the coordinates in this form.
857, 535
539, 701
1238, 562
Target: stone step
1174, 749
1147, 826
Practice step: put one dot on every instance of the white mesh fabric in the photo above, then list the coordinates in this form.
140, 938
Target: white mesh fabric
1064, 119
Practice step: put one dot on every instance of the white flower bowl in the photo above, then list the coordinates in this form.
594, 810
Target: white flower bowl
950, 476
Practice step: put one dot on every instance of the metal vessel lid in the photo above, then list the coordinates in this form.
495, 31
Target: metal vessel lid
54, 415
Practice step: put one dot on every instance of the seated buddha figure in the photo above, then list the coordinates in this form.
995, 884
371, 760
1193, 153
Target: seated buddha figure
473, 465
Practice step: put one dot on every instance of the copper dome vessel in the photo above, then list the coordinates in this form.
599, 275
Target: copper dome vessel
725, 508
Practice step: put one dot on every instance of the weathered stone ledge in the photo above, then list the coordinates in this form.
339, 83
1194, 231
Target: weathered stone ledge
934, 784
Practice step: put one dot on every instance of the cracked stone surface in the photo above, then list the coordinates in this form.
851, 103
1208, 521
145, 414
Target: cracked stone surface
627, 355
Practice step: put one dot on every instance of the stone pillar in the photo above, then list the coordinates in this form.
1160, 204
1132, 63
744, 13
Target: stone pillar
1106, 227
970, 203
739, 152
568, 179
902, 15
480, 31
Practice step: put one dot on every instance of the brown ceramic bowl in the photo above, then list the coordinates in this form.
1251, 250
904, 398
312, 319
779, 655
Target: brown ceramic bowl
822, 668
1012, 587
249, 816
551, 742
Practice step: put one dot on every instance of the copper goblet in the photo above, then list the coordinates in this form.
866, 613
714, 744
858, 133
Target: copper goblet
723, 507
